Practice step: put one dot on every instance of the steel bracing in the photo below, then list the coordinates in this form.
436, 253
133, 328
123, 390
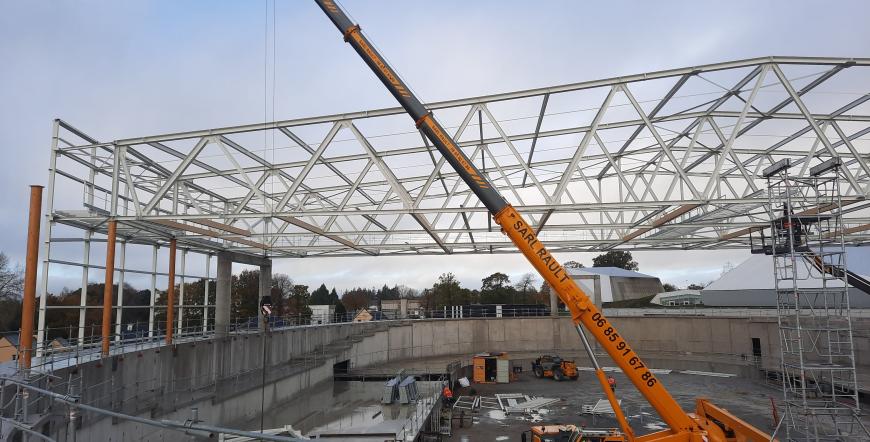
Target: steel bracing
661, 160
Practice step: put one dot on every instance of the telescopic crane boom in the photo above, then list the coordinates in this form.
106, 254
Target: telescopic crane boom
682, 426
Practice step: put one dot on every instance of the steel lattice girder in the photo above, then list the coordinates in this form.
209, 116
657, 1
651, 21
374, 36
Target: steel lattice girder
662, 160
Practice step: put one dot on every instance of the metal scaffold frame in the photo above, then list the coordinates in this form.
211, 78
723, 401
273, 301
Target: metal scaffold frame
666, 160
819, 380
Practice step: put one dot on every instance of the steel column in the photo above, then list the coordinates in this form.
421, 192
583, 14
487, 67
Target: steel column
181, 292
120, 302
108, 288
205, 296
83, 299
153, 296
170, 293
46, 241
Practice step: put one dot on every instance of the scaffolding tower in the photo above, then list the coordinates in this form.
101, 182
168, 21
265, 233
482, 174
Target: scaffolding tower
819, 383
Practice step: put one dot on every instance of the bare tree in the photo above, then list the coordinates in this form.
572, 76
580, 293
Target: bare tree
282, 291
11, 279
526, 286
408, 292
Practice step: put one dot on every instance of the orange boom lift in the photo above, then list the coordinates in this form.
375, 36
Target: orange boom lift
709, 423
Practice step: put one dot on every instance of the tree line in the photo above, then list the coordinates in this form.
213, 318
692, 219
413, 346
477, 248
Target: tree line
288, 298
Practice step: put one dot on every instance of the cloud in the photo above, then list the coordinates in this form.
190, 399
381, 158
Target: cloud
122, 69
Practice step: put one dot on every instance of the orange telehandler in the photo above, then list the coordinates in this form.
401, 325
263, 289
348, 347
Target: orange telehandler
708, 423
553, 366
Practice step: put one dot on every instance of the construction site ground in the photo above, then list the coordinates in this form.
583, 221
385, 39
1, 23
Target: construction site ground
745, 398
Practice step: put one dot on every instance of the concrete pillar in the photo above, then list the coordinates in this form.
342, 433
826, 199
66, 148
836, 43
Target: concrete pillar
554, 302
596, 288
223, 288
596, 283
265, 290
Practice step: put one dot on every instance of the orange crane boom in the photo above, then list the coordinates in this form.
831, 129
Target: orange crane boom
583, 312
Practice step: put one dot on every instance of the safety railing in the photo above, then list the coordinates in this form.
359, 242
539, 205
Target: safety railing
63, 347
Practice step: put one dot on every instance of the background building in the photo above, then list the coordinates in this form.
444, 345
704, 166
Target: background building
615, 284
322, 313
403, 308
678, 298
750, 284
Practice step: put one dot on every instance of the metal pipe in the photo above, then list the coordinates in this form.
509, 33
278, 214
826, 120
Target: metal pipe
28, 304
109, 287
170, 293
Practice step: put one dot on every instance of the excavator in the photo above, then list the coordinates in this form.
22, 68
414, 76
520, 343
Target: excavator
707, 423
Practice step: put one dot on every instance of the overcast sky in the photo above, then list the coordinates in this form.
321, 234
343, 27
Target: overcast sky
123, 69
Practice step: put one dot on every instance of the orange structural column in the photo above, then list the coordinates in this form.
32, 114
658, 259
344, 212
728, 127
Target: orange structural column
28, 304
109, 287
170, 294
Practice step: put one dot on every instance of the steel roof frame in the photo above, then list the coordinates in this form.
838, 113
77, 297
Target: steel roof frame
675, 182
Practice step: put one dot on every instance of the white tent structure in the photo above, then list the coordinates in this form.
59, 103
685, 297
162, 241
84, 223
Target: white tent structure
751, 284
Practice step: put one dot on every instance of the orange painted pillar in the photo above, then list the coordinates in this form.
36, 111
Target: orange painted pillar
170, 294
109, 287
28, 304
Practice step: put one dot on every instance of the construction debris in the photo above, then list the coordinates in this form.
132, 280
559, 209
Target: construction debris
510, 399
709, 373
469, 403
616, 369
531, 406
490, 403
601, 407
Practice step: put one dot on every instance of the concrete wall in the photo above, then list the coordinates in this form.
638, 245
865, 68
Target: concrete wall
619, 288
221, 377
633, 288
766, 298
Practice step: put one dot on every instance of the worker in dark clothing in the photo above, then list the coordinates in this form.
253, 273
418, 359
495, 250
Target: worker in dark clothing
612, 383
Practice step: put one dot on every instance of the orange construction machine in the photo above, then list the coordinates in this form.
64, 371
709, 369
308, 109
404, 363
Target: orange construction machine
569, 433
708, 423
550, 366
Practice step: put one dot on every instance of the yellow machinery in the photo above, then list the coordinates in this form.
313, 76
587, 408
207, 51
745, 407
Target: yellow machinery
549, 366
708, 423
569, 433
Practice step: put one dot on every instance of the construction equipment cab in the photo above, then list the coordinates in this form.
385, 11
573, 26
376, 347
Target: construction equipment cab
569, 433
553, 366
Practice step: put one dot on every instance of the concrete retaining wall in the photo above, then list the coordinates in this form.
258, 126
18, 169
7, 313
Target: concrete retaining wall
221, 378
